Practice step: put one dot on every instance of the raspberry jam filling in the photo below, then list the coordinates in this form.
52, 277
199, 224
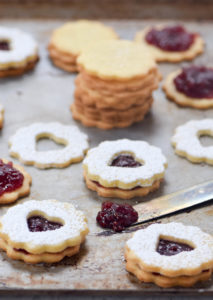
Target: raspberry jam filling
38, 224
174, 38
125, 161
4, 45
195, 82
169, 248
115, 216
10, 179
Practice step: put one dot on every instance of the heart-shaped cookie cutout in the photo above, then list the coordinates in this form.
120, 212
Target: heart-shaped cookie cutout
168, 247
125, 160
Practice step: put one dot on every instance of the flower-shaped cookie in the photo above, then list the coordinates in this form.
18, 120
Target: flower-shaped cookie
18, 52
124, 168
14, 182
191, 86
23, 145
40, 228
170, 43
170, 254
187, 144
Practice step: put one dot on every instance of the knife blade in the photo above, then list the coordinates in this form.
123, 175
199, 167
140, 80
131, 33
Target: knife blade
175, 202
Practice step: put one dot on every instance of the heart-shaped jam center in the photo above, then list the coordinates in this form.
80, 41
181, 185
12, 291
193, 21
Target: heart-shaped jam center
125, 161
169, 248
38, 224
4, 45
10, 178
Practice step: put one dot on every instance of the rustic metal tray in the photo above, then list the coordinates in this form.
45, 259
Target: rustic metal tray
45, 95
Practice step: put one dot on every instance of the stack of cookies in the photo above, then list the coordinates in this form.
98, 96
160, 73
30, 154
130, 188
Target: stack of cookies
115, 84
69, 40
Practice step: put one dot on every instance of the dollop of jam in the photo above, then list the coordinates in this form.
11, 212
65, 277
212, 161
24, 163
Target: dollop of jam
38, 223
173, 38
195, 82
125, 161
169, 248
4, 45
115, 216
10, 178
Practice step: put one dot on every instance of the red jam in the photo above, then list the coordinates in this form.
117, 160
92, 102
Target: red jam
38, 223
10, 179
115, 216
195, 82
174, 38
125, 161
168, 248
4, 46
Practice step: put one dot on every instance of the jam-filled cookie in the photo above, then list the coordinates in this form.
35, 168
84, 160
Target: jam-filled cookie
187, 144
191, 86
1, 116
23, 145
124, 168
18, 52
170, 255
115, 84
14, 182
69, 40
170, 43
42, 231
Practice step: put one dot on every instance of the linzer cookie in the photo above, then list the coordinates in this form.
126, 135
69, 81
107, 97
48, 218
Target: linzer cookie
14, 182
18, 52
1, 116
124, 168
42, 231
115, 84
192, 86
23, 145
187, 144
68, 41
170, 43
170, 255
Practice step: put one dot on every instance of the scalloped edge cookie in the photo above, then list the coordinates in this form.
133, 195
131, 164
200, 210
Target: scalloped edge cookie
168, 56
23, 191
181, 99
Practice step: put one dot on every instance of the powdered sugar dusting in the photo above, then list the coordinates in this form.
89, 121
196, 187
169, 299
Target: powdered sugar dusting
14, 223
144, 244
23, 46
23, 144
186, 139
98, 160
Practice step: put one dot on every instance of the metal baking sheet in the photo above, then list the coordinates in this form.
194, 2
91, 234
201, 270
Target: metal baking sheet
45, 95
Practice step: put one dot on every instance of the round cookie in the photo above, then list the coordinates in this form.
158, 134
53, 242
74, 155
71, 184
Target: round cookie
15, 182
18, 52
47, 231
170, 255
68, 41
186, 141
124, 168
196, 48
180, 98
23, 145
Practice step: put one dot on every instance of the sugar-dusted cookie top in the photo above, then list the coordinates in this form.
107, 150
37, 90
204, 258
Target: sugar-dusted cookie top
116, 59
192, 253
73, 37
16, 47
23, 145
187, 144
125, 164
67, 226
